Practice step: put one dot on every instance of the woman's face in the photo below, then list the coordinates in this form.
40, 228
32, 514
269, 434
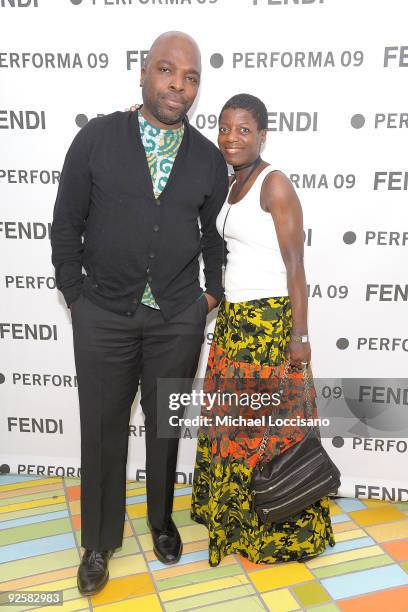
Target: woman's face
239, 138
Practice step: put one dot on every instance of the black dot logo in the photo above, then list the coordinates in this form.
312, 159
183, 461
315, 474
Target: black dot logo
4, 469
338, 441
81, 120
357, 121
342, 343
76, 2
2, 378
216, 60
349, 237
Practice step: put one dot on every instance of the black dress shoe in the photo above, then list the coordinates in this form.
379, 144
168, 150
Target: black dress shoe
167, 544
93, 571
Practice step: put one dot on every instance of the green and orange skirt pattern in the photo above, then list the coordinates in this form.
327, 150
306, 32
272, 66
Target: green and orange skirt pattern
249, 343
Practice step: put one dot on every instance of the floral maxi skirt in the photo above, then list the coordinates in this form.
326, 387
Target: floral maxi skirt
249, 339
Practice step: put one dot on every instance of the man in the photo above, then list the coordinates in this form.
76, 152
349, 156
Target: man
132, 189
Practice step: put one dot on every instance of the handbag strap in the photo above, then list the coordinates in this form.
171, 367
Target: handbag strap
309, 409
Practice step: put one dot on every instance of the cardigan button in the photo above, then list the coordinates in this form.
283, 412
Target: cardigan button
152, 255
158, 202
155, 228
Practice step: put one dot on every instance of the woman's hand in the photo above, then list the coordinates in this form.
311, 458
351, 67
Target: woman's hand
134, 108
298, 352
211, 301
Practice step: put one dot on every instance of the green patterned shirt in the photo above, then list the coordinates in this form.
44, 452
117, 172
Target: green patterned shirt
161, 148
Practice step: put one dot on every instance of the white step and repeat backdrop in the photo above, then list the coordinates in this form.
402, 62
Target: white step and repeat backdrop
333, 74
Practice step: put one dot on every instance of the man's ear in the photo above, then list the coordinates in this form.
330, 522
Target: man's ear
142, 76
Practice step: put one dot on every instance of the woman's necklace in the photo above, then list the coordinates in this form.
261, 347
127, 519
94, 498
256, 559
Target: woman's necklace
254, 165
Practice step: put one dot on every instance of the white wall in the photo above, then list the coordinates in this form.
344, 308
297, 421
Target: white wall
362, 72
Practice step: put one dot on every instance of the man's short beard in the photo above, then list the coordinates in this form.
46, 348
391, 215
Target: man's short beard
165, 117
162, 114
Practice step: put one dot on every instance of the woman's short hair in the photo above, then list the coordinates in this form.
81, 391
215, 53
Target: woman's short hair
251, 104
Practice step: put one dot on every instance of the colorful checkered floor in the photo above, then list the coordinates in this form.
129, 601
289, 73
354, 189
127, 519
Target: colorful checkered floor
40, 535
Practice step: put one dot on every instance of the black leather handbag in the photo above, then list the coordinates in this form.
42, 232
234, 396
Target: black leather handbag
295, 479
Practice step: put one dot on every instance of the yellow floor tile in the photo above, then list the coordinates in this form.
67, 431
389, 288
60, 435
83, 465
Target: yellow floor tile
36, 503
189, 568
344, 526
136, 491
389, 531
125, 566
349, 535
182, 502
375, 503
280, 601
37, 579
127, 530
26, 484
136, 510
124, 588
56, 585
347, 555
40, 489
311, 594
146, 542
187, 548
376, 515
205, 587
193, 533
74, 605
280, 576
149, 603
75, 507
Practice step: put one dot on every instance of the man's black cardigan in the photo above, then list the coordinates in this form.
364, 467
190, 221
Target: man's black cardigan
107, 220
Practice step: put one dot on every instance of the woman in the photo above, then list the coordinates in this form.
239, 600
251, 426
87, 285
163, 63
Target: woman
261, 322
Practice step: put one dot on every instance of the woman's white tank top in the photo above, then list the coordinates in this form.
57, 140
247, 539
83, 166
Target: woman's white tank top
255, 268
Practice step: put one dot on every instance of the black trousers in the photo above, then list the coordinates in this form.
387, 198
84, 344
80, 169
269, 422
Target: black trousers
112, 353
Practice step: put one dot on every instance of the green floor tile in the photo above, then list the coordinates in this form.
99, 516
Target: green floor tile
196, 577
31, 532
39, 564
331, 607
311, 594
351, 566
20, 499
135, 485
67, 595
182, 518
71, 482
206, 599
139, 525
244, 604
129, 545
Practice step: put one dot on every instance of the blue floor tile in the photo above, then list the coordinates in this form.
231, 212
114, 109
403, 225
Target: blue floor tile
366, 581
349, 505
36, 518
349, 545
22, 550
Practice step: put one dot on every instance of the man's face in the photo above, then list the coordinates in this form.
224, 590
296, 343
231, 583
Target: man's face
170, 80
